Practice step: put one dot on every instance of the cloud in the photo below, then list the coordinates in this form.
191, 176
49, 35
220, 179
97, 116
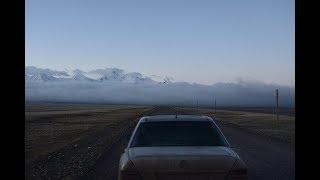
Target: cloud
241, 93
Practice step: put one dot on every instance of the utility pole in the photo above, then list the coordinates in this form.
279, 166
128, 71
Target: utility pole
213, 103
215, 106
277, 100
197, 105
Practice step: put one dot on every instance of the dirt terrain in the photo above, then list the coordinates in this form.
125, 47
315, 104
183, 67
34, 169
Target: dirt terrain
260, 123
288, 111
63, 141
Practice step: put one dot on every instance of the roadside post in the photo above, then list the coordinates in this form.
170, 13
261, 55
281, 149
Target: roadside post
215, 106
277, 104
197, 106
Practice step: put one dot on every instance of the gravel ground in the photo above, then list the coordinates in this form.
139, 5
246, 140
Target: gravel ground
78, 155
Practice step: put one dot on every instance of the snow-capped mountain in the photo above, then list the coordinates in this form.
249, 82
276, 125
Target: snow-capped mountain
99, 75
40, 77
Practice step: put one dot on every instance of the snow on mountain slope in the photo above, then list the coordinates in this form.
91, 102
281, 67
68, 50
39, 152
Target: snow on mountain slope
101, 75
110, 74
31, 70
40, 77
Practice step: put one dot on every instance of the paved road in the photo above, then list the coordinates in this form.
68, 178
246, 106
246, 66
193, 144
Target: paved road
265, 157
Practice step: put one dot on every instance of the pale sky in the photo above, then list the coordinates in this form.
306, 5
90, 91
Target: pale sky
204, 41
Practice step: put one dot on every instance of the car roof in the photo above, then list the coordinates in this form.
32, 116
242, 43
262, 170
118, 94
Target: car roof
161, 118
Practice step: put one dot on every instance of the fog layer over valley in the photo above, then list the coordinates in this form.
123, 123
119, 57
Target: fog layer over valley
112, 85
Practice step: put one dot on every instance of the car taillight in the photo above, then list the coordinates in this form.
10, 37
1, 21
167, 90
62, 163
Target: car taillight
129, 172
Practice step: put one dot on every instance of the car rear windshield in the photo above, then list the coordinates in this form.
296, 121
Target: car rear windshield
188, 133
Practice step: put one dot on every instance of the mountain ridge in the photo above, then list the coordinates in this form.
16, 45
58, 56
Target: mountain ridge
33, 73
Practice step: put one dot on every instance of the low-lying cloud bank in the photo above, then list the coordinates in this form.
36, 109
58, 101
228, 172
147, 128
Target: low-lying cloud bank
227, 94
112, 85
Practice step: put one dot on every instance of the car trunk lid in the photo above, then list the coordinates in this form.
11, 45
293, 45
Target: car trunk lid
183, 162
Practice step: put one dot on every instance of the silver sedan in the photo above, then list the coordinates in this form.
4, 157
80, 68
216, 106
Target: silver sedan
178, 147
